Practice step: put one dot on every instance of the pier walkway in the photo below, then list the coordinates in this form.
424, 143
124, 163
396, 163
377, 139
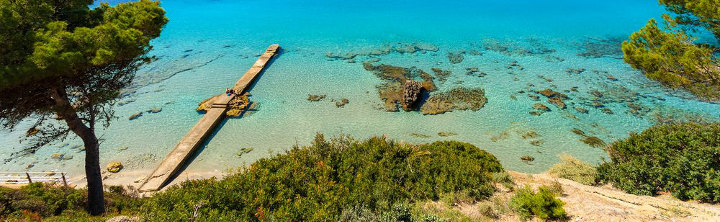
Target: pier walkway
195, 138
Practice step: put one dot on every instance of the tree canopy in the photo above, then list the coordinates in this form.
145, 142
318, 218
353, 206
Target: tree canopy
672, 56
66, 61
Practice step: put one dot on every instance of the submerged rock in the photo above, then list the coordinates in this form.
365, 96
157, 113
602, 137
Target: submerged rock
446, 134
455, 99
575, 71
581, 110
549, 93
155, 110
541, 107
442, 75
135, 116
316, 98
341, 103
557, 101
456, 58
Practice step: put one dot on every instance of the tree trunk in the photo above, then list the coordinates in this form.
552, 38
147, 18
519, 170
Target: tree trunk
96, 199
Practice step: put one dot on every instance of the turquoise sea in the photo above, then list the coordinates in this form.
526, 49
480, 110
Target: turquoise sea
209, 44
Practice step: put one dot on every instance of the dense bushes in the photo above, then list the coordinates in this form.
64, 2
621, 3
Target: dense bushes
542, 204
683, 159
573, 169
321, 181
39, 201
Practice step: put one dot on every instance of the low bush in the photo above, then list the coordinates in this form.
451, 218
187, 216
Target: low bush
683, 159
542, 204
574, 169
323, 181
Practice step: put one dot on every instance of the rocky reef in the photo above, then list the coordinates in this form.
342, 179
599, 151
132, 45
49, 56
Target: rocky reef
400, 85
402, 48
455, 99
602, 47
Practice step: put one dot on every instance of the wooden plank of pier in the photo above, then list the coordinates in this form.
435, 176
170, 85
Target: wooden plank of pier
195, 138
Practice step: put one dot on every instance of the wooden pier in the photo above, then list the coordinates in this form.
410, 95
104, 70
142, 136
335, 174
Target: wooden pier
194, 139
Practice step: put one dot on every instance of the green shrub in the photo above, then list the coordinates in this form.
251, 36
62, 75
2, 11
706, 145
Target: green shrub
323, 181
40, 199
573, 169
542, 204
683, 159
59, 203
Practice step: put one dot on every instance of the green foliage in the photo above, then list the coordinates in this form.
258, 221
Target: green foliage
542, 204
696, 13
573, 169
670, 57
85, 56
48, 201
327, 179
683, 159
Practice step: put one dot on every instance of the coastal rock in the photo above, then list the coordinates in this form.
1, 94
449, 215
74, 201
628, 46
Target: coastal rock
474, 71
392, 91
581, 110
114, 167
442, 75
341, 103
603, 47
446, 134
57, 156
456, 58
541, 107
316, 98
135, 116
455, 99
534, 97
557, 101
155, 110
575, 70
411, 92
549, 93
32, 131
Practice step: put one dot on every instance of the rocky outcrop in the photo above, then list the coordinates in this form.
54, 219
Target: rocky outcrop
455, 99
392, 91
411, 94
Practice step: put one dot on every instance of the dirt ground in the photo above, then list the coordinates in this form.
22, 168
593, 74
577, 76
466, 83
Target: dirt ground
590, 203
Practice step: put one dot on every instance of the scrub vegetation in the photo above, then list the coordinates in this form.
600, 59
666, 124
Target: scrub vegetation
682, 159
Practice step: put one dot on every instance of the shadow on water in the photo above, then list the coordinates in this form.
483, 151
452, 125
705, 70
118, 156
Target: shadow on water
220, 125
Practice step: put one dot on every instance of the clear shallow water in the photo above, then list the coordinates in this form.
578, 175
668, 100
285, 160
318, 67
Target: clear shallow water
209, 44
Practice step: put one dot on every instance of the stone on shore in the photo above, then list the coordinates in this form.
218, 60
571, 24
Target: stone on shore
114, 167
